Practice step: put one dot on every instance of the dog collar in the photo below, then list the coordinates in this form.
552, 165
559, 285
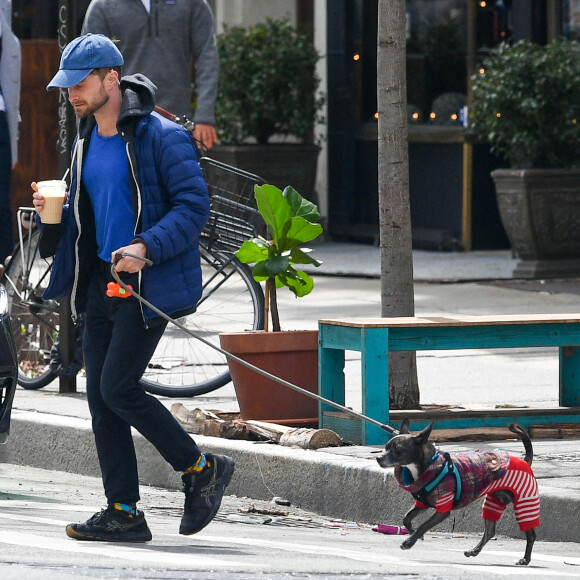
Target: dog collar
440, 466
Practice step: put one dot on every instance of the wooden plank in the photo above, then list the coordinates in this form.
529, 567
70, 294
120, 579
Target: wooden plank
375, 375
484, 412
350, 428
331, 381
378, 322
478, 434
569, 380
555, 431
454, 321
340, 337
478, 337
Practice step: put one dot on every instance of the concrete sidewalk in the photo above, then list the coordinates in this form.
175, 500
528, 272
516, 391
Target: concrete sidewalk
52, 431
348, 259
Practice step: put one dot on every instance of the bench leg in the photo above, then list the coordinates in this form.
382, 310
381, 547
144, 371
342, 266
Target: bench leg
330, 379
375, 384
570, 376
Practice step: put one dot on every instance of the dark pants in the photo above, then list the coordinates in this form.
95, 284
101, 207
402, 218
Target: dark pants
117, 349
6, 240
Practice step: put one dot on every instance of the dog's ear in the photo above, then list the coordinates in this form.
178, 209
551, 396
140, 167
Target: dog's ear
423, 437
405, 426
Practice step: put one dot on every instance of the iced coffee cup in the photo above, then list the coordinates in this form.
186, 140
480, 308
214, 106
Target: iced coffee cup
54, 193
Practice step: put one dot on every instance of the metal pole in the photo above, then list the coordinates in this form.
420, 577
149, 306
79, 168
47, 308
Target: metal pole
67, 130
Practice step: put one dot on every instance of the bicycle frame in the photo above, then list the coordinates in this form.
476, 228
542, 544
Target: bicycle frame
25, 252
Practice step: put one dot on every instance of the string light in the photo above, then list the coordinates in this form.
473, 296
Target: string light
432, 115
356, 57
481, 71
498, 115
454, 117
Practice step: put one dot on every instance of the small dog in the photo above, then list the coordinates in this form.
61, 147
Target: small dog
449, 482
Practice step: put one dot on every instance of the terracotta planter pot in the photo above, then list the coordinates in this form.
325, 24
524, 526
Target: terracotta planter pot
291, 355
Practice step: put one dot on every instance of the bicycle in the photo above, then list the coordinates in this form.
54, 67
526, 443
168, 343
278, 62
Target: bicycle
181, 366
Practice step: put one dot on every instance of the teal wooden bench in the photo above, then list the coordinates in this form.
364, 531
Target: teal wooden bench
374, 338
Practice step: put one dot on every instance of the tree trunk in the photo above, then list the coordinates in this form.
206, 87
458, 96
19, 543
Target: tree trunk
397, 296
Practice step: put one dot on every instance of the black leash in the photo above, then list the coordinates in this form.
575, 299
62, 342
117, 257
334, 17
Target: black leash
231, 356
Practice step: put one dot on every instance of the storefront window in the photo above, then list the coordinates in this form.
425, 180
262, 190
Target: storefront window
571, 19
437, 53
33, 19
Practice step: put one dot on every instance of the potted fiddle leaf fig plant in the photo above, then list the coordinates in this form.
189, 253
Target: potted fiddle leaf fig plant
526, 102
292, 221
268, 103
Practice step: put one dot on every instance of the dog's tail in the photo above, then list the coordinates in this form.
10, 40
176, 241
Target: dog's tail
523, 435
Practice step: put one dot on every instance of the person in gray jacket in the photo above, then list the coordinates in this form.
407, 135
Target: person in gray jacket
162, 40
10, 65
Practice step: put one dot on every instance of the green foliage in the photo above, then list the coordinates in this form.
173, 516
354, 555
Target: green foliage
527, 103
292, 221
268, 83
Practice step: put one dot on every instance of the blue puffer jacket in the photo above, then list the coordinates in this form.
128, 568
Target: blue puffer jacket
170, 201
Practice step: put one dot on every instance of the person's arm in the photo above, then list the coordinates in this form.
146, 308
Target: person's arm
183, 181
206, 135
203, 41
50, 234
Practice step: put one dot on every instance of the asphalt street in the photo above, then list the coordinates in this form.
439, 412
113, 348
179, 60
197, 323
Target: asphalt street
247, 540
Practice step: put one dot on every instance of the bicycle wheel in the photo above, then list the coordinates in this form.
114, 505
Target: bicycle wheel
34, 320
232, 301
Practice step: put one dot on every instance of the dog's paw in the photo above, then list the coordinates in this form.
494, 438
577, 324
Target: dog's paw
469, 553
407, 544
522, 562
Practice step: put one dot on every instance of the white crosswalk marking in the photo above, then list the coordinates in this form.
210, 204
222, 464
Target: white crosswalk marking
119, 551
140, 555
384, 558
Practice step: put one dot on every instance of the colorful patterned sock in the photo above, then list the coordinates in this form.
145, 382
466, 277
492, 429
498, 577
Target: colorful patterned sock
201, 465
129, 509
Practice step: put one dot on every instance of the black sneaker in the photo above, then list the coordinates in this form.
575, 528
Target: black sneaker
204, 492
112, 525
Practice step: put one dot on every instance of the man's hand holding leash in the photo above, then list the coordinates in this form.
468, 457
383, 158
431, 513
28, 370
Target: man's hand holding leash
131, 258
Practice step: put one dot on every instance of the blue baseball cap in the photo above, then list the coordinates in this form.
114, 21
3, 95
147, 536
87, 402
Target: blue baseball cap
81, 56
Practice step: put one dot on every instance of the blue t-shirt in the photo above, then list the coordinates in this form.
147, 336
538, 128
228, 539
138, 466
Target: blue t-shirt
106, 177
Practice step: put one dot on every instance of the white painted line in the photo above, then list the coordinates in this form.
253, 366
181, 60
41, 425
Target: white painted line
143, 555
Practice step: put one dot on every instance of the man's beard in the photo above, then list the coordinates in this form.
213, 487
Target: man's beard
92, 109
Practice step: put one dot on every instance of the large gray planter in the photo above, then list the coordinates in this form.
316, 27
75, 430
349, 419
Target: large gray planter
540, 211
280, 164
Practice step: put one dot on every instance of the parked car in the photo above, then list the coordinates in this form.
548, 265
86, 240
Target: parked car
8, 366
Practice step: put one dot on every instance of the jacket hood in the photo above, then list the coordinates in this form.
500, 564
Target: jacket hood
138, 101
138, 96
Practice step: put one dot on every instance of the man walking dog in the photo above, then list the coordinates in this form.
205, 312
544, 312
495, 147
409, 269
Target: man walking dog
136, 191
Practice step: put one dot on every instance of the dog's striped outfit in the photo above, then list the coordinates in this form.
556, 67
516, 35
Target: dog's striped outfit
480, 474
